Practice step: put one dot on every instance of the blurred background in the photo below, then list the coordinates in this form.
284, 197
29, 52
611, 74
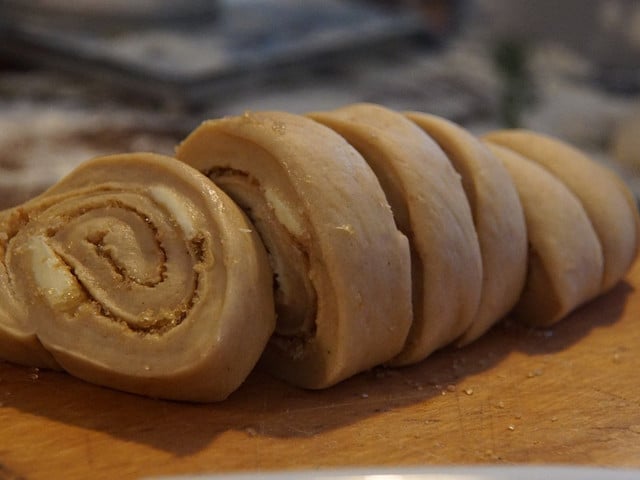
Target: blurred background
81, 78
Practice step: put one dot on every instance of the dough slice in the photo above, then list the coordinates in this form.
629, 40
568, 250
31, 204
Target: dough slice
430, 207
497, 216
137, 273
342, 269
608, 203
565, 258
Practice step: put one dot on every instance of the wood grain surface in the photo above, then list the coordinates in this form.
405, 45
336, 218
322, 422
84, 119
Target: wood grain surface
568, 394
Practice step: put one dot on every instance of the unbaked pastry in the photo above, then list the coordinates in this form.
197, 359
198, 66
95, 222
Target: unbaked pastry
136, 272
430, 207
565, 261
607, 201
497, 217
341, 268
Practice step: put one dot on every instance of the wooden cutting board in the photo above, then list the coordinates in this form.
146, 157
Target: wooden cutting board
570, 394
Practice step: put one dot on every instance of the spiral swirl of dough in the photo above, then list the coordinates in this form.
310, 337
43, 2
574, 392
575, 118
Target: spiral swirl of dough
133, 272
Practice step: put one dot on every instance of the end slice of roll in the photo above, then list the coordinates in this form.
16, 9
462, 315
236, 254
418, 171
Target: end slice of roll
138, 273
565, 261
430, 207
497, 216
606, 200
341, 268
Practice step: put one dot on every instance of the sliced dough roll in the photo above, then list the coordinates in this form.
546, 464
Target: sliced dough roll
341, 268
565, 258
608, 203
138, 273
497, 216
430, 207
